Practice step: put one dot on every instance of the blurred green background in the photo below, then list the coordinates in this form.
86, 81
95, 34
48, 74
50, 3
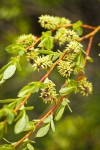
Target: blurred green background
79, 130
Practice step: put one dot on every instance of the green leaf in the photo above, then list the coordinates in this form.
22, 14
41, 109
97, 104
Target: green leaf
43, 131
49, 43
42, 85
15, 49
31, 87
12, 105
29, 126
10, 115
52, 125
2, 126
9, 71
4, 67
66, 90
25, 148
21, 123
56, 56
73, 83
89, 59
29, 108
24, 92
46, 40
78, 23
2, 112
59, 113
65, 101
7, 147
77, 27
46, 52
18, 66
7, 100
19, 115
47, 120
10, 118
30, 147
7, 111
2, 81
79, 31
19, 100
80, 60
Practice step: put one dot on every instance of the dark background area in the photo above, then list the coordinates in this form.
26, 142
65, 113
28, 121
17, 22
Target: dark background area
79, 130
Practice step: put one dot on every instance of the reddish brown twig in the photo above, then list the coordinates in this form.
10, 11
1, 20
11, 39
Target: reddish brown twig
88, 49
90, 34
83, 25
22, 103
34, 43
88, 26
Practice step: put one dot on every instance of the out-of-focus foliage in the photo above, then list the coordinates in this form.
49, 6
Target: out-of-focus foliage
76, 132
73, 133
10, 9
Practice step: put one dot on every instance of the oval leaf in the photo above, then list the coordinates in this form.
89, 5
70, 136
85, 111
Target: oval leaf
10, 117
47, 120
31, 87
9, 71
77, 27
52, 125
21, 124
43, 131
30, 125
66, 90
59, 113
65, 101
89, 59
1, 129
7, 100
4, 67
30, 147
80, 60
15, 48
2, 81
7, 147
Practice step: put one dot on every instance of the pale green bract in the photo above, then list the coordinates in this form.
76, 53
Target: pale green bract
8, 73
43, 131
21, 124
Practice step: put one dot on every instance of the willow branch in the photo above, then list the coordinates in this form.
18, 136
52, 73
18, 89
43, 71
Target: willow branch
40, 121
88, 26
88, 49
22, 103
90, 34
34, 43
83, 25
48, 73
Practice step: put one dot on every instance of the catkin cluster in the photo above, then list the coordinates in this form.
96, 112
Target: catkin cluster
58, 38
48, 94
